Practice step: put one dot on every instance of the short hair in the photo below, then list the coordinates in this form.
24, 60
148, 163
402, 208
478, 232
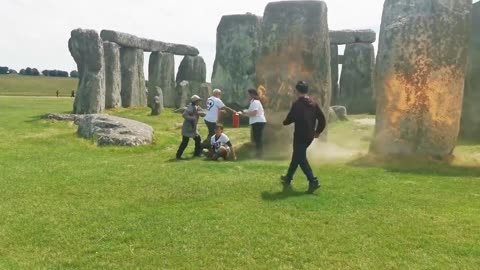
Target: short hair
220, 126
252, 92
215, 91
302, 87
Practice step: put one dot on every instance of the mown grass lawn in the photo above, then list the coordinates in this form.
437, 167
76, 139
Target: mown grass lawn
67, 204
18, 85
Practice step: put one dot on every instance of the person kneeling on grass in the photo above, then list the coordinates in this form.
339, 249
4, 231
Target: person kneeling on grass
221, 146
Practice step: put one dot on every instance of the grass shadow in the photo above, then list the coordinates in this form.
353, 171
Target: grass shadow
283, 195
420, 166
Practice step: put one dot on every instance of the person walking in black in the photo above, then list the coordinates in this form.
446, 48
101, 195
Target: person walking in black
309, 124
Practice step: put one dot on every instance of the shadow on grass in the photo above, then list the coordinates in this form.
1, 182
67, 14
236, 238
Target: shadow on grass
420, 166
284, 194
247, 151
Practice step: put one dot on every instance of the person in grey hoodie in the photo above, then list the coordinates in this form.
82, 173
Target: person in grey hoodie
189, 129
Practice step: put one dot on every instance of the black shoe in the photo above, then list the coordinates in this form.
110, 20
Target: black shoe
286, 182
313, 186
179, 158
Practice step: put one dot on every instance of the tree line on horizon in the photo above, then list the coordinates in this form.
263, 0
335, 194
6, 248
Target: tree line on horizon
34, 72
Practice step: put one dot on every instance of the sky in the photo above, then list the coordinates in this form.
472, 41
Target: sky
35, 33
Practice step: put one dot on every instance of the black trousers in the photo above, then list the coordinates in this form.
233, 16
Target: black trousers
299, 158
211, 129
257, 135
184, 144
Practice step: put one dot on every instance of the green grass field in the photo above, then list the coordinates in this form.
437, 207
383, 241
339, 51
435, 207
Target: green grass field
17, 85
68, 204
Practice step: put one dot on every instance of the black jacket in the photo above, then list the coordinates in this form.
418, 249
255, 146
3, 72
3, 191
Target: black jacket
308, 118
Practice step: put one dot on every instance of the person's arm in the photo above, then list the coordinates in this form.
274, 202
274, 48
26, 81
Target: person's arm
189, 115
228, 109
321, 122
253, 110
290, 117
234, 156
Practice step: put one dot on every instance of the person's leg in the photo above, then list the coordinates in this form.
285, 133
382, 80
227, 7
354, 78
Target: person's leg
303, 162
182, 147
293, 164
198, 146
257, 130
211, 129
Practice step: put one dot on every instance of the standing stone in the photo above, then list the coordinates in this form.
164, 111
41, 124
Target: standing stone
113, 75
157, 103
182, 94
470, 127
133, 79
356, 83
334, 67
193, 70
86, 48
161, 73
294, 46
235, 60
420, 76
205, 91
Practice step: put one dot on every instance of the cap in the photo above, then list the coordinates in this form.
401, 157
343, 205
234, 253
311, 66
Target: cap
195, 98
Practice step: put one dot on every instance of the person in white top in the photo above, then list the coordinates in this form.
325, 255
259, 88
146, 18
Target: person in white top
214, 106
221, 147
257, 121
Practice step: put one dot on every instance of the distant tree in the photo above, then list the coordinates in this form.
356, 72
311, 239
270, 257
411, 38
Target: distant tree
3, 70
23, 72
63, 74
45, 72
12, 71
28, 71
74, 74
35, 72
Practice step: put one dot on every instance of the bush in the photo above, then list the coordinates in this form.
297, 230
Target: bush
23, 72
45, 72
12, 71
3, 70
35, 72
55, 73
74, 74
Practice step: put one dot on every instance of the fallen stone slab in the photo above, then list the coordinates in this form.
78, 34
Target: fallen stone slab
148, 45
63, 117
352, 36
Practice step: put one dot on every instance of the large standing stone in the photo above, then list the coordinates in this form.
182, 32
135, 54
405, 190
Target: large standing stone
235, 60
148, 45
294, 46
113, 75
193, 70
157, 103
352, 36
133, 79
182, 94
356, 83
470, 127
86, 48
161, 73
420, 76
205, 91
334, 69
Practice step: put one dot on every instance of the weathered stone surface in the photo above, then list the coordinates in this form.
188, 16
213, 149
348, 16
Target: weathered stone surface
332, 116
420, 76
356, 83
148, 45
334, 69
352, 36
113, 75
86, 48
112, 130
161, 73
294, 46
63, 117
157, 105
235, 60
182, 94
470, 126
205, 91
341, 59
341, 112
133, 78
193, 70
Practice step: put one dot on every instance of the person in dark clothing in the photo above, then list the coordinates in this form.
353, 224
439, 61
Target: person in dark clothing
189, 128
309, 124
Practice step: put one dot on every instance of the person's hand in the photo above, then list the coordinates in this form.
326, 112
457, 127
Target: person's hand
239, 113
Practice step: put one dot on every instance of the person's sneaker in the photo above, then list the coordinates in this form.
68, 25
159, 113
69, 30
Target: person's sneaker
313, 186
180, 158
286, 182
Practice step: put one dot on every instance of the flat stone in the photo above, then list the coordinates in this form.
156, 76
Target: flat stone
63, 117
341, 37
112, 130
148, 45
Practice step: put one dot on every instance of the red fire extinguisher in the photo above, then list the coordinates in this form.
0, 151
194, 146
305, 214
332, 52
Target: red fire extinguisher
236, 120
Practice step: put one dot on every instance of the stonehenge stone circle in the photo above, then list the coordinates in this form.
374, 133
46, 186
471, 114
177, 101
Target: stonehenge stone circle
157, 103
113, 75
470, 126
235, 60
205, 91
86, 48
334, 70
420, 75
161, 73
295, 46
352, 36
148, 45
356, 82
133, 78
194, 70
182, 94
